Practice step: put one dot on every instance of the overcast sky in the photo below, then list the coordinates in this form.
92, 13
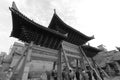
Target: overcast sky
100, 18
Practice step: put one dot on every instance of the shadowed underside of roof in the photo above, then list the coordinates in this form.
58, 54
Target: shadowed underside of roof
73, 36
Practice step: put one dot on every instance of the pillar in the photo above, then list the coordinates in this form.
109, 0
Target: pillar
27, 63
59, 66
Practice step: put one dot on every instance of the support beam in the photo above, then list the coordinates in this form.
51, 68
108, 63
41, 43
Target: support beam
81, 50
65, 57
19, 61
24, 67
100, 68
81, 59
59, 65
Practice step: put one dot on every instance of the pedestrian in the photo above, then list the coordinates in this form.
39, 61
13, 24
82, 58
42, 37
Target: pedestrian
54, 74
77, 73
48, 75
89, 74
85, 75
71, 74
101, 73
63, 74
95, 75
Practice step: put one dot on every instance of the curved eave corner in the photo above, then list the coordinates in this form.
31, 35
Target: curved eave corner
91, 38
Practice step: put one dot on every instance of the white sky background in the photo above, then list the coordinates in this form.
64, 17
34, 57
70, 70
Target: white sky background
100, 18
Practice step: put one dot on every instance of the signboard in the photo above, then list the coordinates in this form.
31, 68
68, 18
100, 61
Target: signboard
71, 50
45, 54
71, 54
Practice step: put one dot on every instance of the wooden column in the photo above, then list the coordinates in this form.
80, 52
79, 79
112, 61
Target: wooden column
94, 65
26, 64
81, 60
59, 65
12, 76
66, 59
77, 64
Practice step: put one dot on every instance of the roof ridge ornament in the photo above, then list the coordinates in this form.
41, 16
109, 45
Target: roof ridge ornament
118, 48
54, 11
93, 37
88, 44
14, 6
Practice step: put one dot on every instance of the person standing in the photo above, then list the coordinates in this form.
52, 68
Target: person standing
63, 74
95, 75
77, 73
48, 75
85, 75
54, 74
89, 75
101, 73
71, 75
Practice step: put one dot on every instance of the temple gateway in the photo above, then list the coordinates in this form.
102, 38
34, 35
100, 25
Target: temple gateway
47, 52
